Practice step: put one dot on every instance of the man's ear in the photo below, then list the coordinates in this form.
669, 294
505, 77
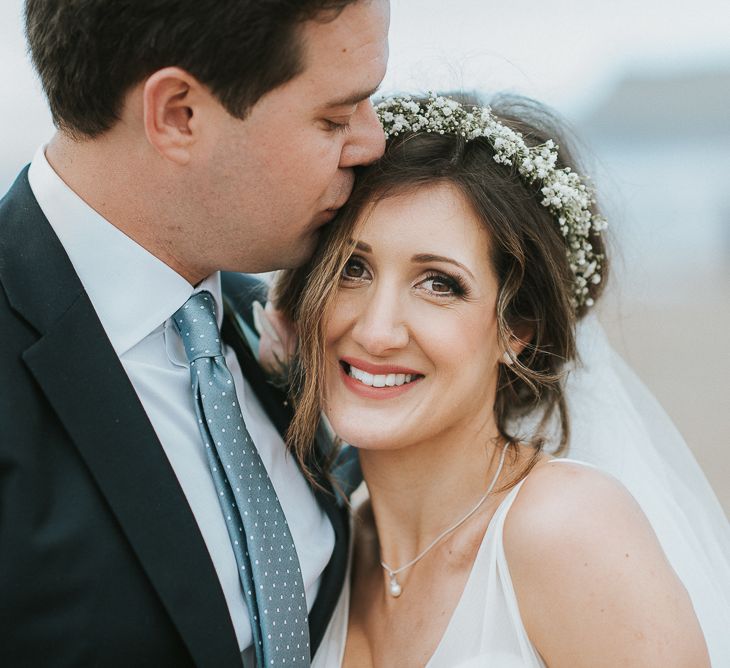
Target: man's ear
170, 96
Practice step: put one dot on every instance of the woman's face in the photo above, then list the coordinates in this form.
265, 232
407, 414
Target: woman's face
411, 339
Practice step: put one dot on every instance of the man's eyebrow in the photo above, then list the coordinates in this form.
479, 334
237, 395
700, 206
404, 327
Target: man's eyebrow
425, 258
353, 98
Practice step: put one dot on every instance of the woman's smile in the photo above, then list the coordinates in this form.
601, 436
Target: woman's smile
377, 381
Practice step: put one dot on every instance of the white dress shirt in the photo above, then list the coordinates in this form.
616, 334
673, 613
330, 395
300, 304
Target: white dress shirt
135, 294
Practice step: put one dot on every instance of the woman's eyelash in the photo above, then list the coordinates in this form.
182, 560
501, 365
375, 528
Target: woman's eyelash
455, 283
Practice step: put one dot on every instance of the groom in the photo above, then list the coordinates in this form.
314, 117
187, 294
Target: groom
194, 137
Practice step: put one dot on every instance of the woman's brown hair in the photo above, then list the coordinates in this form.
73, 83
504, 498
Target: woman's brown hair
528, 255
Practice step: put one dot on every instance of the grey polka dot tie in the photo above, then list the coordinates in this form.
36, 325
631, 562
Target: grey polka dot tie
267, 560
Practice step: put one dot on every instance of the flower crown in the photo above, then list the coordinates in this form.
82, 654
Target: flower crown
565, 195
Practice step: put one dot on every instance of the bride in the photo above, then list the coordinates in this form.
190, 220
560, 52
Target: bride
529, 505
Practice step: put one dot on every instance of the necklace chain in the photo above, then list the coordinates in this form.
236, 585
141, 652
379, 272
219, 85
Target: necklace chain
395, 587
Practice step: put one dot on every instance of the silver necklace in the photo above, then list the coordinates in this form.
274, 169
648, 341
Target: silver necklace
395, 588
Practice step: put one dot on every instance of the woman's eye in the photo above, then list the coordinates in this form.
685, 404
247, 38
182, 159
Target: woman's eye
439, 285
443, 286
354, 270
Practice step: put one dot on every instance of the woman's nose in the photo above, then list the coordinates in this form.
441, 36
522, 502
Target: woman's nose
380, 326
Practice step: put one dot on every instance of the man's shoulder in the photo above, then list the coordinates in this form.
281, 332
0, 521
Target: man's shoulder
21, 220
37, 278
18, 196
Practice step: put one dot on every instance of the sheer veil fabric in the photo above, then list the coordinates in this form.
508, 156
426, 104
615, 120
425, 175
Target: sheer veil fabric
618, 426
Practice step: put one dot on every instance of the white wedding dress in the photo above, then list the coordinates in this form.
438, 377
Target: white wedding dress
617, 427
485, 628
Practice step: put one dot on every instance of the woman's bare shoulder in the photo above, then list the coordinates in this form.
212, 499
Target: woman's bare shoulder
560, 500
592, 582
570, 516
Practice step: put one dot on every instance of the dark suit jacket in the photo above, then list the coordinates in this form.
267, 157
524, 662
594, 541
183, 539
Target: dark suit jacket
101, 560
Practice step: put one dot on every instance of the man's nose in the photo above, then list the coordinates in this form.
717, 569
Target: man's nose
366, 140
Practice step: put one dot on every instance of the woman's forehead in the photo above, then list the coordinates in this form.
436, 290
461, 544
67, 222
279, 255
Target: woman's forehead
433, 218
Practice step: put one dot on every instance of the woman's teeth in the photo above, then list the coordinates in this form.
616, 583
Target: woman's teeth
380, 380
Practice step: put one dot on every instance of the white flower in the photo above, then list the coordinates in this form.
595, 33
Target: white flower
563, 191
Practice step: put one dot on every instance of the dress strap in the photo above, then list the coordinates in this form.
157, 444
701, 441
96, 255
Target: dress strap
571, 461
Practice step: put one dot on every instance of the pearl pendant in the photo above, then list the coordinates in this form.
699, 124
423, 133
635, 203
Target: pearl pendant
395, 588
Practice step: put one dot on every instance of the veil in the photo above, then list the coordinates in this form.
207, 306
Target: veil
618, 426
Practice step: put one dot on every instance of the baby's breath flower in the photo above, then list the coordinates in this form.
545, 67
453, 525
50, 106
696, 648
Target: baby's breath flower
563, 192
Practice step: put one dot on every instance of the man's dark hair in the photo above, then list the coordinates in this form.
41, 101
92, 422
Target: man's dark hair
89, 53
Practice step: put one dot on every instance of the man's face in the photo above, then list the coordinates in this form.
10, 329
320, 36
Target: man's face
272, 180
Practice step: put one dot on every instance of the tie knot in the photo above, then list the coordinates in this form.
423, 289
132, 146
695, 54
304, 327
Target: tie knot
196, 322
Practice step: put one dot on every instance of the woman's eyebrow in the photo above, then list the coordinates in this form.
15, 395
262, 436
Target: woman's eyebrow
425, 258
420, 258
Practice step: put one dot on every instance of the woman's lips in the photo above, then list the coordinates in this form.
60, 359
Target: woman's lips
378, 368
376, 381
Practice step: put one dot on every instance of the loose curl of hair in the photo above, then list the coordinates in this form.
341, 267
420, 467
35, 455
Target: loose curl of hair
528, 255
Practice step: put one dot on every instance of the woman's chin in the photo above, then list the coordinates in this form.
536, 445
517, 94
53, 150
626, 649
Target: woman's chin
367, 436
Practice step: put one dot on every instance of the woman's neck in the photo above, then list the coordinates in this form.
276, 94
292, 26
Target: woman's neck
419, 491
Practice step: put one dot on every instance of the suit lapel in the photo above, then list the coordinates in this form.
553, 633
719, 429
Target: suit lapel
238, 295
84, 382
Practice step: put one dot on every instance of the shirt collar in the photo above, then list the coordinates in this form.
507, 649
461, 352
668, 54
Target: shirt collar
132, 291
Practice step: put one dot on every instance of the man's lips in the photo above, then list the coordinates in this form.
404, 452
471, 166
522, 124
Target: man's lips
346, 186
339, 204
327, 216
343, 194
334, 210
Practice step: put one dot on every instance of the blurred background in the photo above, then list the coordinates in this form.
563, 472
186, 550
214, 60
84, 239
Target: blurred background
645, 85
